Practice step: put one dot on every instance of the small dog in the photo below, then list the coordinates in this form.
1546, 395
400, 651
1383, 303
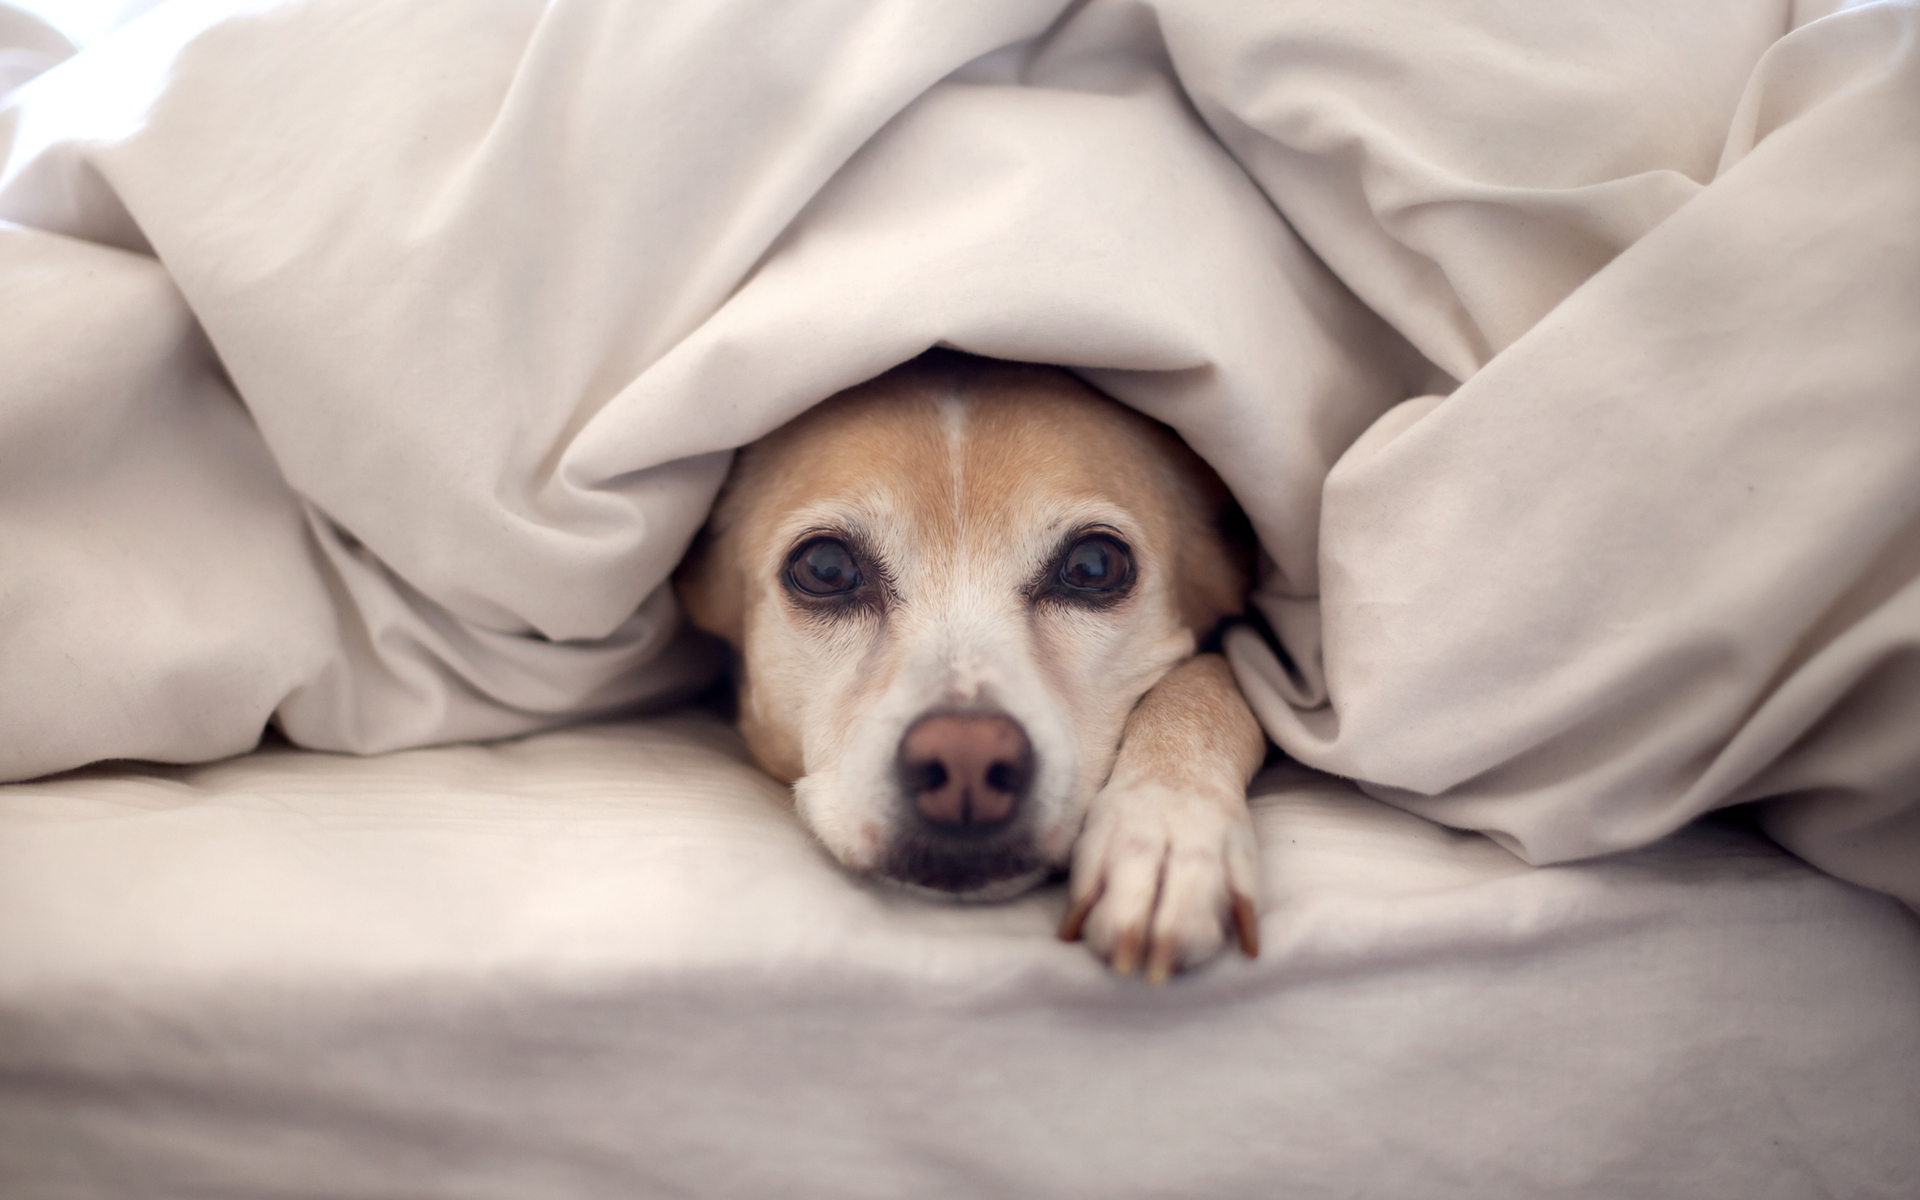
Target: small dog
966, 598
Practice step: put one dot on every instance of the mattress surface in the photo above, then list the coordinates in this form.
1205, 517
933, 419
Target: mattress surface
606, 961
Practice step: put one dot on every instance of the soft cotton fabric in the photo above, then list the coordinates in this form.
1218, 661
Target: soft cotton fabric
606, 962
368, 365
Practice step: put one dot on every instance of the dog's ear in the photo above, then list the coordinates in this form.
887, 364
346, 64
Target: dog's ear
1216, 543
712, 587
1216, 570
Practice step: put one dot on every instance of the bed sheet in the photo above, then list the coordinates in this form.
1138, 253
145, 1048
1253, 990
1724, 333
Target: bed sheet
606, 961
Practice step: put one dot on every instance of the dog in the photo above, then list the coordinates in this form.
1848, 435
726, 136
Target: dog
966, 599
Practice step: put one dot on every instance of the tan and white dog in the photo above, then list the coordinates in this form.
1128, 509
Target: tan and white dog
966, 598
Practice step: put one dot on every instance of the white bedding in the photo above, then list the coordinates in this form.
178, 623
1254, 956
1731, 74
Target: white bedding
607, 962
365, 367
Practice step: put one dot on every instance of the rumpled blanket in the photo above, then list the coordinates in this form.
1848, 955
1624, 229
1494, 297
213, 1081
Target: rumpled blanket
366, 366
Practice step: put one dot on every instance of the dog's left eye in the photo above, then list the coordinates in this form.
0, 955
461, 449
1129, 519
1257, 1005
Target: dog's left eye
1095, 564
824, 567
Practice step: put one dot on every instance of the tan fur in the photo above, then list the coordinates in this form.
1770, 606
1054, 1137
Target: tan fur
964, 474
1192, 726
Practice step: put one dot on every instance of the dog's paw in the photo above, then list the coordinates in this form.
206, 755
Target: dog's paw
1159, 876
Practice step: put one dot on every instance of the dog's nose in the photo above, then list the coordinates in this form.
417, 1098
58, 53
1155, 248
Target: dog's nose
966, 772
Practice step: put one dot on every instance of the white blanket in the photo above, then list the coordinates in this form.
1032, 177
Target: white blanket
497, 287
607, 963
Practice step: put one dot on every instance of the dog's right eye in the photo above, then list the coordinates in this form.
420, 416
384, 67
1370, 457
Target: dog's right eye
824, 567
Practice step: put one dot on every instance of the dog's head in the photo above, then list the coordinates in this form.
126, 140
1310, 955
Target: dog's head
948, 588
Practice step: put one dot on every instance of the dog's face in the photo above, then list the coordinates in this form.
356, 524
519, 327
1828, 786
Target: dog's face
948, 588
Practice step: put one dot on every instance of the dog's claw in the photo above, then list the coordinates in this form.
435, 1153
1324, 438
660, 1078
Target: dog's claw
1075, 922
1246, 925
1160, 961
1126, 952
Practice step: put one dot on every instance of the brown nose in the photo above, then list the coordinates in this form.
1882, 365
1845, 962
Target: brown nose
966, 773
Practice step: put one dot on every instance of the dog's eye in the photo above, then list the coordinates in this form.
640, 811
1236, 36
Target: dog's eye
1095, 564
824, 567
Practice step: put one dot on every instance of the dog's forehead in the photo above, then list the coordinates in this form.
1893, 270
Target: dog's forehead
1001, 466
